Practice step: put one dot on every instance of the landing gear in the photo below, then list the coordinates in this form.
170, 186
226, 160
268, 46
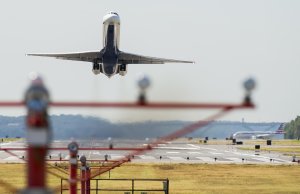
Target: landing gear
96, 68
123, 69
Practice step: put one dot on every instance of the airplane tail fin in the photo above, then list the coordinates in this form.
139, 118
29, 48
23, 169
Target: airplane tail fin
280, 129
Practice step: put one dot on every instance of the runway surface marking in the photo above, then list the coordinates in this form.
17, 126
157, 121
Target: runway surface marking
215, 153
172, 152
213, 149
194, 153
175, 158
281, 160
206, 159
114, 157
261, 159
243, 154
20, 152
176, 148
234, 159
147, 157
11, 158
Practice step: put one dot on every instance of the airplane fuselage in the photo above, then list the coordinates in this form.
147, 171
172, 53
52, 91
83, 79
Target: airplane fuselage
255, 134
111, 42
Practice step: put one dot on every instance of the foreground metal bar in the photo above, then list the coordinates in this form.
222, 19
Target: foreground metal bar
160, 105
148, 105
11, 104
88, 160
82, 149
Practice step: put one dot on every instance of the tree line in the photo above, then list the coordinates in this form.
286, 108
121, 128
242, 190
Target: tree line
292, 129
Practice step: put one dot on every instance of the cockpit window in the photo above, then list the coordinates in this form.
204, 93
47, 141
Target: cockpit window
114, 13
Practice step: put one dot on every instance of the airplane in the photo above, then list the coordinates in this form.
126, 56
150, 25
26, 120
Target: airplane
110, 60
258, 134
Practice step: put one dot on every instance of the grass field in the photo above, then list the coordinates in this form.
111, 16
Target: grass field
280, 142
190, 178
288, 151
5, 140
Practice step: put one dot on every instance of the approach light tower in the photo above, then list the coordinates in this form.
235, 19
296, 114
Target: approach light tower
38, 136
249, 86
73, 149
143, 84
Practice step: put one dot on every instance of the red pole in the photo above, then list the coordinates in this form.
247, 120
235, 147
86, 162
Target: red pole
83, 174
36, 168
38, 136
88, 182
73, 148
83, 180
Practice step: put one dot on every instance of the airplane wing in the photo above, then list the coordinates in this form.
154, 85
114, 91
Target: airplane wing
263, 136
88, 56
128, 58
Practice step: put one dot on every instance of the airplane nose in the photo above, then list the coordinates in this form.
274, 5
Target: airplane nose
111, 18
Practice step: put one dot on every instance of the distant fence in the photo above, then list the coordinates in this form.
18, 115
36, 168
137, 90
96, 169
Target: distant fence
129, 186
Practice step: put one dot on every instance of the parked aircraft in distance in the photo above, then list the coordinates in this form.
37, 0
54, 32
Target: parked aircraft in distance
258, 134
110, 60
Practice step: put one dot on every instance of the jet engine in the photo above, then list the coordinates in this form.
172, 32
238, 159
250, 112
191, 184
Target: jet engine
96, 68
123, 69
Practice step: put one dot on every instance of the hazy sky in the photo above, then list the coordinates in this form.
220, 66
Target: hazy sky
229, 40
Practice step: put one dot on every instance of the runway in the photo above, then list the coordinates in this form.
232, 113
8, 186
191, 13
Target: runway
171, 152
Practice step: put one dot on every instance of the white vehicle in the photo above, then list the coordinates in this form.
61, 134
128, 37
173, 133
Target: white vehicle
258, 134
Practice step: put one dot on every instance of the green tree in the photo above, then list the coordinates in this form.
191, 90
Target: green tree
292, 129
